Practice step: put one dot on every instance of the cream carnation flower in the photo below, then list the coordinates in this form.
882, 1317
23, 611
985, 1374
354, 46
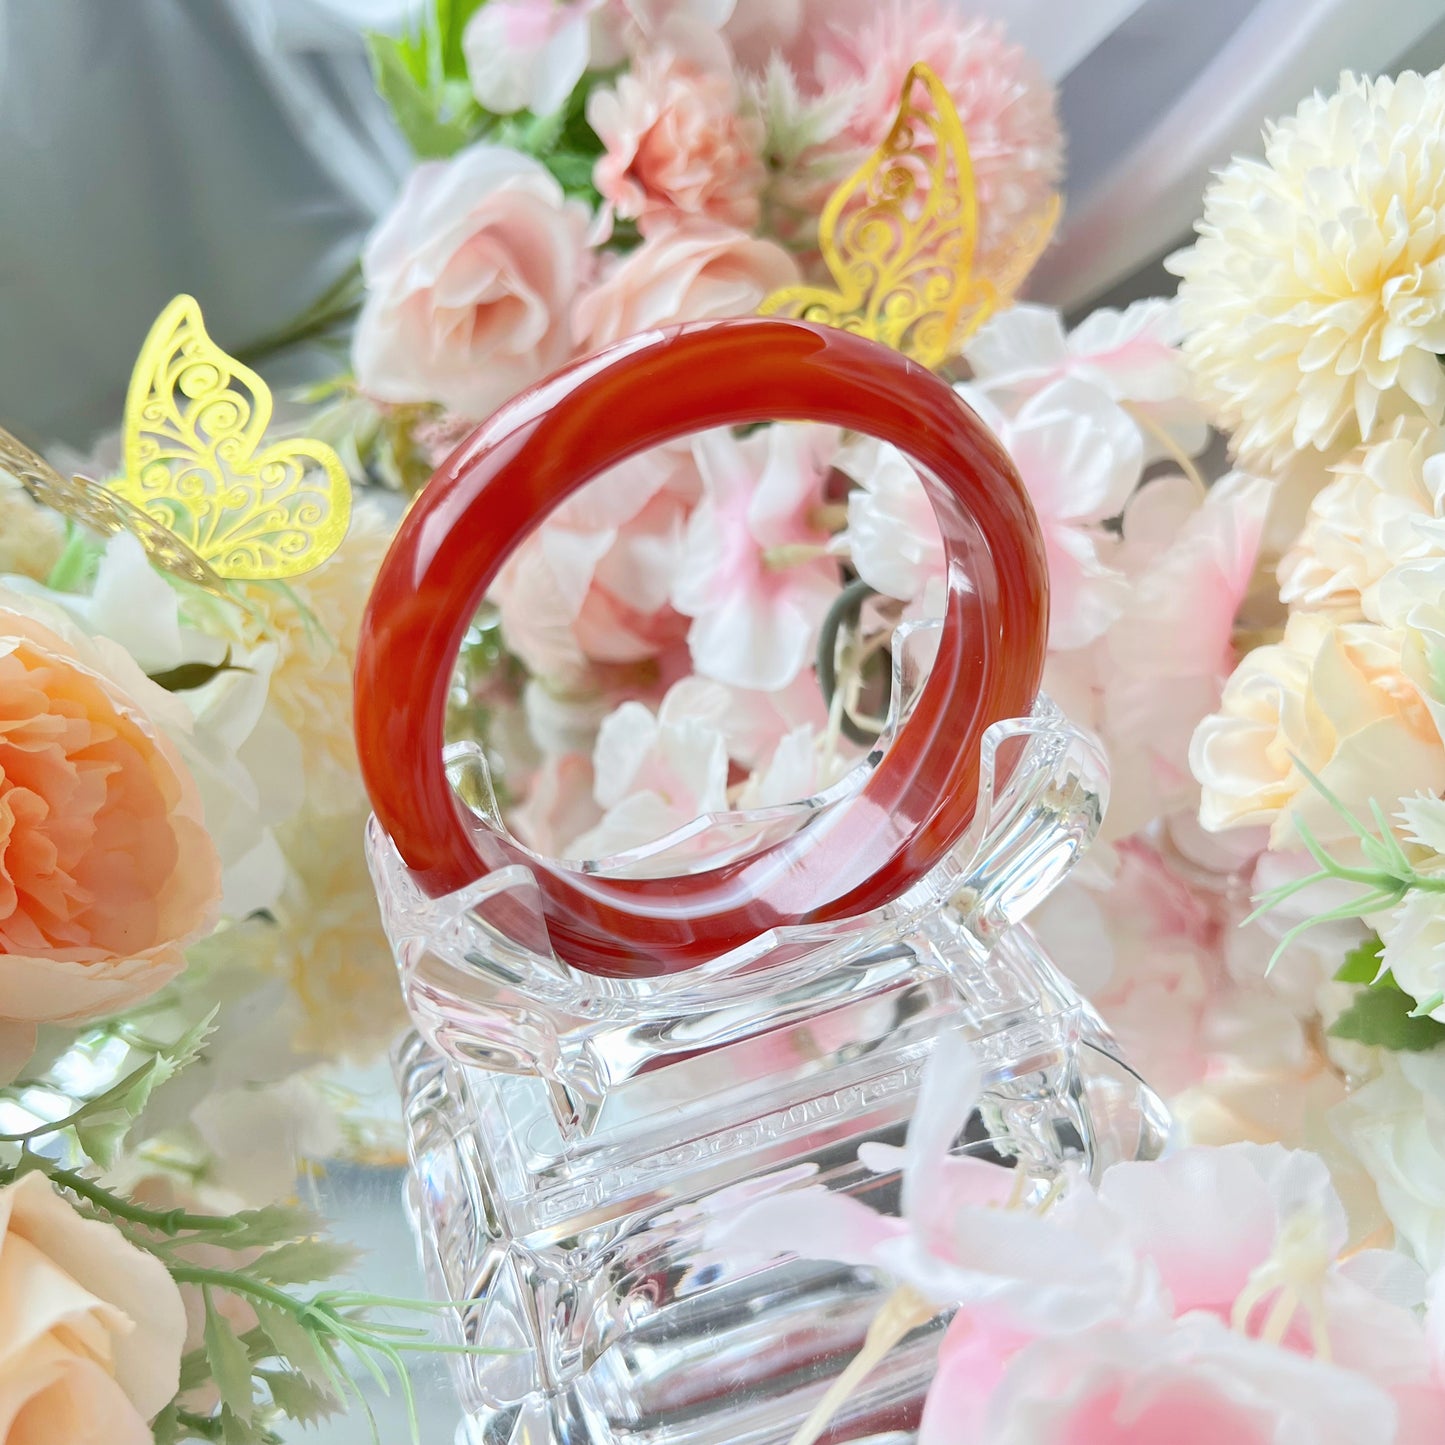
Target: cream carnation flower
31, 537
1366, 521
1396, 1125
314, 624
329, 942
1333, 697
1314, 298
1413, 932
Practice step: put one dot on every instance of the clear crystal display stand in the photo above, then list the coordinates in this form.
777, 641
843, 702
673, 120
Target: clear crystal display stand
614, 1055
574, 1138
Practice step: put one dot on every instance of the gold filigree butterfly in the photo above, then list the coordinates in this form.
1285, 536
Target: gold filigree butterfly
207, 498
899, 238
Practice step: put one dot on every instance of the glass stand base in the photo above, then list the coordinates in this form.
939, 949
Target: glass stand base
587, 1261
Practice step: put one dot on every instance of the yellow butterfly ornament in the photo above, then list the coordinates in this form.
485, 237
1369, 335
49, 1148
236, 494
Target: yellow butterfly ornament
899, 238
208, 500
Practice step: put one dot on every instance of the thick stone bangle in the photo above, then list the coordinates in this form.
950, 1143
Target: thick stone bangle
539, 449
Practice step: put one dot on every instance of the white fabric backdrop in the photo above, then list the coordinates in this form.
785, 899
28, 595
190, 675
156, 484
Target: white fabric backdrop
234, 148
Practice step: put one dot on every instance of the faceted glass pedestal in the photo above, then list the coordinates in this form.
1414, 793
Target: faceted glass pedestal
575, 1140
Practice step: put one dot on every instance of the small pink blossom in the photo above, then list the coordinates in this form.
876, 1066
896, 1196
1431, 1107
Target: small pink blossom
652, 775
1167, 657
755, 575
1003, 99
957, 1240
528, 54
1130, 355
559, 806
892, 536
1193, 1383
1258, 1331
694, 271
676, 144
592, 584
1080, 458
753, 723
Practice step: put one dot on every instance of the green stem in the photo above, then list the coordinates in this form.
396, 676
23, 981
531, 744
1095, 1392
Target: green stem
240, 1284
101, 1102
164, 1221
337, 305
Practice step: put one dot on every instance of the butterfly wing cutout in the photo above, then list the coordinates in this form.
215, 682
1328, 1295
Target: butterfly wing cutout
99, 509
195, 463
899, 238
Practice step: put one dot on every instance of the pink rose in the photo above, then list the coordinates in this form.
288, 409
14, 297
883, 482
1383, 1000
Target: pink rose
107, 871
676, 145
693, 271
468, 283
93, 1327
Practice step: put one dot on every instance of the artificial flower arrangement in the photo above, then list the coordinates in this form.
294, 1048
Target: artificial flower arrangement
184, 893
702, 631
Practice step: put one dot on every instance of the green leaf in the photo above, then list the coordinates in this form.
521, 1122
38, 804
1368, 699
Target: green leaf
191, 675
303, 1261
102, 1123
273, 1224
1362, 964
166, 1427
237, 1431
229, 1361
1382, 1017
294, 1343
420, 111
573, 173
451, 18
297, 1397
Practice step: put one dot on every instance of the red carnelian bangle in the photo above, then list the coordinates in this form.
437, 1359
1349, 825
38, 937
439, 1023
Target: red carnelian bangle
539, 449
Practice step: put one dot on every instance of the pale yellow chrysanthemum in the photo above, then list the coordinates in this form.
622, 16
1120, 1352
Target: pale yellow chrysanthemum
315, 621
1314, 297
329, 944
31, 538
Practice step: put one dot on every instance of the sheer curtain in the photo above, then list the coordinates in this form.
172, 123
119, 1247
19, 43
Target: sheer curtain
235, 149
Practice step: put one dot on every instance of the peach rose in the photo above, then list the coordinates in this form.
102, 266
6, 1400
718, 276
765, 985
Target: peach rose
693, 271
93, 1327
1337, 699
468, 283
676, 145
106, 869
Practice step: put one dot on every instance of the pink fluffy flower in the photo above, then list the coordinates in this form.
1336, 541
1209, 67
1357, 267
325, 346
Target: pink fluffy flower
755, 575
1080, 457
1003, 99
676, 144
